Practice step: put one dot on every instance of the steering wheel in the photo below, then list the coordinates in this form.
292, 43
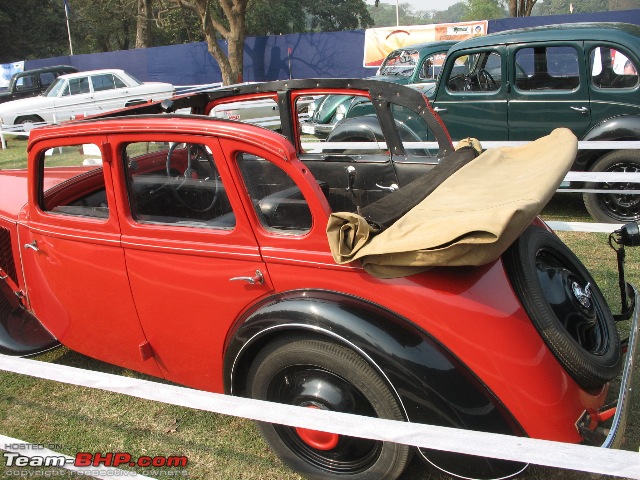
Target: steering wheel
198, 186
485, 80
460, 83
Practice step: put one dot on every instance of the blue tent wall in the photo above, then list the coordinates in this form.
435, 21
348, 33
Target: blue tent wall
185, 64
313, 55
627, 16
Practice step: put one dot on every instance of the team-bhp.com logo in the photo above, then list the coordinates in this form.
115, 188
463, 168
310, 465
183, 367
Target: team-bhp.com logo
86, 459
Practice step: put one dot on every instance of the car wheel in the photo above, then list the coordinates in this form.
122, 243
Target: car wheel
28, 121
321, 374
615, 207
566, 307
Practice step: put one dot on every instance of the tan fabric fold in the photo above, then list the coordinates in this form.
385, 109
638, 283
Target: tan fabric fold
470, 219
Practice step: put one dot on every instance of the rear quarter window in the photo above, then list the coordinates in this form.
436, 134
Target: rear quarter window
612, 69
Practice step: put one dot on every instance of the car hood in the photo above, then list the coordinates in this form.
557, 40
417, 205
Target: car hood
401, 80
427, 88
164, 84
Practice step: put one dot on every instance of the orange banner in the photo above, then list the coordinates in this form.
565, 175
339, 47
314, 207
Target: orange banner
379, 42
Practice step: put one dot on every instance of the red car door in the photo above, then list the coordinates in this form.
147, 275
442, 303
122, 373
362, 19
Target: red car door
192, 259
73, 261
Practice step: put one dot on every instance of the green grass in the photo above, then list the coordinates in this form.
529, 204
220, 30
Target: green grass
15, 155
74, 419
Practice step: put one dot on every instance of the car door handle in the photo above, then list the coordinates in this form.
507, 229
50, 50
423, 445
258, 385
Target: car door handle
33, 246
439, 110
257, 279
582, 110
392, 188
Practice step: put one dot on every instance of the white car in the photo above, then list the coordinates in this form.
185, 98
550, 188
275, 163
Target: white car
81, 94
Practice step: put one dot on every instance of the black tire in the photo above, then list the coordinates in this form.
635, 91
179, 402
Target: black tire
289, 370
615, 207
573, 320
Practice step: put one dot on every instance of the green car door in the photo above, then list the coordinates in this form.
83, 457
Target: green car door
471, 97
550, 89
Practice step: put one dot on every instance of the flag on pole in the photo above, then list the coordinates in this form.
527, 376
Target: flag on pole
67, 10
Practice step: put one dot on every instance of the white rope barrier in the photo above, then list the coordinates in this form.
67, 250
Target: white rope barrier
620, 463
586, 227
582, 145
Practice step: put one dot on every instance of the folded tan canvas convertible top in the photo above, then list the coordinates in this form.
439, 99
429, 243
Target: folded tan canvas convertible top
471, 218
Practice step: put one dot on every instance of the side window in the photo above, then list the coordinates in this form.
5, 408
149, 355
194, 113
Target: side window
259, 111
612, 69
77, 86
478, 72
417, 131
25, 83
431, 66
321, 132
73, 182
102, 82
47, 78
278, 202
176, 183
118, 83
547, 68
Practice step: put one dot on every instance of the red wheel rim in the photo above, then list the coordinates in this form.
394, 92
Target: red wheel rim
317, 439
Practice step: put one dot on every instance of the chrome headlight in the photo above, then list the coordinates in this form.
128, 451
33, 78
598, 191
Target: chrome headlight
311, 108
341, 112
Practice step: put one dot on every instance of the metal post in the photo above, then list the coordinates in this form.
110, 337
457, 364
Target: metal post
66, 14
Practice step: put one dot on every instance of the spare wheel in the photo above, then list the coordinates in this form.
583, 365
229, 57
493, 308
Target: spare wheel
566, 306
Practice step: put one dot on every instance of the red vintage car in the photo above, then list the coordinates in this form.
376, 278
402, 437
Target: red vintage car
195, 249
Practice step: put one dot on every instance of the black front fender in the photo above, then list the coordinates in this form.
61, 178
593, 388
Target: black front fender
21, 333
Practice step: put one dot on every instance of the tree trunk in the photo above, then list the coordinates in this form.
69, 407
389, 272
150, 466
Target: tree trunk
521, 8
143, 30
231, 61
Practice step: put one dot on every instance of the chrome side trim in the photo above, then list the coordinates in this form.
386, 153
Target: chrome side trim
616, 433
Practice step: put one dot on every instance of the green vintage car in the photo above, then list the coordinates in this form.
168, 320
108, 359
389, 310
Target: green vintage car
521, 84
412, 64
524, 83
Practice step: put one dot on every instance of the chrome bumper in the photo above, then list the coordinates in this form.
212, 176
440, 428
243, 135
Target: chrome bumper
619, 423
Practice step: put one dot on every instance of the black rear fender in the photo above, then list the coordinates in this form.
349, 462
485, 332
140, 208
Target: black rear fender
623, 128
432, 385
